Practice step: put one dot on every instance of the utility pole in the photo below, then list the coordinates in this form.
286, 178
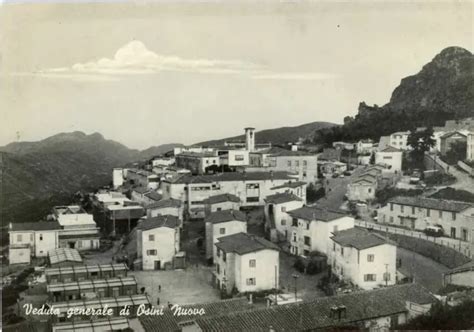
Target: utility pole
386, 275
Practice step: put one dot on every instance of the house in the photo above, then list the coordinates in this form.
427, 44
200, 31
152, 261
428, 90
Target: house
118, 177
85, 272
377, 310
470, 146
158, 241
223, 223
455, 217
233, 157
399, 140
390, 157
250, 188
64, 257
197, 162
329, 167
312, 226
76, 290
78, 228
344, 145
362, 189
330, 154
460, 276
363, 258
221, 202
164, 207
297, 188
451, 138
365, 146
196, 149
384, 142
39, 237
142, 178
303, 164
277, 221
161, 161
247, 263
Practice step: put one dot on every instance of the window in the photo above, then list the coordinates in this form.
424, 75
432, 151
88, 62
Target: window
19, 238
369, 190
289, 163
239, 157
307, 241
31, 237
453, 216
370, 277
283, 222
370, 258
283, 209
151, 237
151, 252
342, 251
294, 237
402, 208
307, 225
252, 199
391, 220
218, 269
391, 206
297, 163
428, 212
41, 237
252, 263
295, 222
333, 246
224, 256
441, 214
222, 230
304, 174
412, 210
464, 233
251, 282
305, 163
386, 276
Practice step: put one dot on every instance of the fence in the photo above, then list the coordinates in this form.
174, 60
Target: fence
456, 244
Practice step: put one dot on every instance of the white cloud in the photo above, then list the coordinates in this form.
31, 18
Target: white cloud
135, 58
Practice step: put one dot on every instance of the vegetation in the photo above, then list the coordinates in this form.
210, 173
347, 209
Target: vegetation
456, 153
421, 142
313, 194
443, 317
382, 196
454, 194
440, 178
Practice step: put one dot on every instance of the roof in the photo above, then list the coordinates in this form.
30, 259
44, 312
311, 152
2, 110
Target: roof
165, 203
170, 322
231, 176
358, 238
226, 215
141, 190
401, 133
159, 221
277, 152
243, 243
431, 203
106, 324
451, 133
125, 212
204, 154
390, 149
35, 226
221, 199
111, 302
282, 198
469, 266
61, 255
88, 285
153, 195
363, 180
315, 213
76, 269
316, 314
290, 184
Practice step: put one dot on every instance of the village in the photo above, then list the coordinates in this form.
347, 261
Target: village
250, 236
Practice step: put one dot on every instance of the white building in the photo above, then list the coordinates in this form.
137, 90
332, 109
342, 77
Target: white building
221, 202
158, 241
390, 157
164, 207
223, 223
197, 162
246, 262
39, 237
365, 146
461, 276
312, 226
399, 140
162, 161
250, 188
233, 157
117, 177
364, 258
470, 146
277, 221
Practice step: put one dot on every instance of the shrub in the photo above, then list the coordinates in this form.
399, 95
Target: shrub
299, 265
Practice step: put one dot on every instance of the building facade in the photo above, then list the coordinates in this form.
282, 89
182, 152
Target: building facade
277, 221
390, 157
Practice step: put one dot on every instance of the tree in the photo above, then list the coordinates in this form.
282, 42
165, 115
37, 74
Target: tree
457, 152
421, 142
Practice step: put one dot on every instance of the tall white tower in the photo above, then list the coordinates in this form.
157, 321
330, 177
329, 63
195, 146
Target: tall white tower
250, 139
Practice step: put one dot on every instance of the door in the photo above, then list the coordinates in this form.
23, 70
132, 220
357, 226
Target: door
157, 265
412, 221
453, 232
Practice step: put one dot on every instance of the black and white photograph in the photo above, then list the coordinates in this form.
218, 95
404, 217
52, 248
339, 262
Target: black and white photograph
236, 166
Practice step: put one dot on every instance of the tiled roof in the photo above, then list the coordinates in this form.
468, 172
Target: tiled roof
159, 221
282, 198
431, 203
153, 195
363, 180
166, 203
61, 255
358, 238
226, 215
141, 190
469, 266
451, 133
221, 199
316, 315
133, 212
232, 176
35, 226
243, 243
171, 323
315, 213
290, 184
391, 149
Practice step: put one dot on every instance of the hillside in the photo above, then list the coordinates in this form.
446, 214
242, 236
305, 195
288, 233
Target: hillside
37, 175
279, 136
442, 90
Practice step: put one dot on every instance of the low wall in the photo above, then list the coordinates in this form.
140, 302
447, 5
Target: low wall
434, 162
466, 167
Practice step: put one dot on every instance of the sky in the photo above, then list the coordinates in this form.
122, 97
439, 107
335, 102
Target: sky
148, 73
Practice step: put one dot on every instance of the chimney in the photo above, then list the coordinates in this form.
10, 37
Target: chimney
294, 147
250, 139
